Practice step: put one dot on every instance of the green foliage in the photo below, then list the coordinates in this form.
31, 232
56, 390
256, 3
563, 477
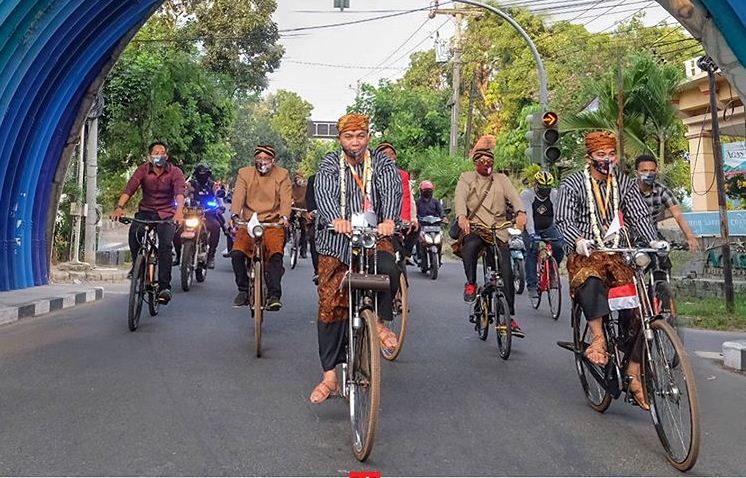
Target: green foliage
735, 187
436, 165
289, 117
317, 149
677, 176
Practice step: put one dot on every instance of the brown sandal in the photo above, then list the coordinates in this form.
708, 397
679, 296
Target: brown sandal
388, 339
597, 349
637, 394
323, 391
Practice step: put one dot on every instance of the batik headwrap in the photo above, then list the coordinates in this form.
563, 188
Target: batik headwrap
383, 147
484, 144
353, 122
599, 140
266, 149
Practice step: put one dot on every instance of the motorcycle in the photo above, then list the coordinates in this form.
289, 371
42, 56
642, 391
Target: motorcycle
430, 245
195, 240
517, 257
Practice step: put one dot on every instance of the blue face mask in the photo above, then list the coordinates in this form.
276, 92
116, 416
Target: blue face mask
648, 178
157, 160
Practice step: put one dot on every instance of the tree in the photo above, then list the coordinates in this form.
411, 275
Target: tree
289, 116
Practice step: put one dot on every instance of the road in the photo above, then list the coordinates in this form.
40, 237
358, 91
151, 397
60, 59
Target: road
184, 395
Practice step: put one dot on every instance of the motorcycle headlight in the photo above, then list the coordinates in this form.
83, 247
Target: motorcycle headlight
428, 239
438, 238
642, 259
258, 231
192, 222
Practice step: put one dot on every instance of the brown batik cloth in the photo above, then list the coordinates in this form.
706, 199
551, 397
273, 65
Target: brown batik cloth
609, 268
334, 302
273, 240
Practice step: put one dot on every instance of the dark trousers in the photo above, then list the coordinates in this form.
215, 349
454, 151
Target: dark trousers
472, 246
550, 234
273, 275
312, 246
593, 299
212, 224
303, 242
409, 241
165, 243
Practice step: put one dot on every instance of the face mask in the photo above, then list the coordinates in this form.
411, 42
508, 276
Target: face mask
603, 167
648, 178
484, 169
202, 177
263, 167
158, 161
357, 156
543, 191
427, 193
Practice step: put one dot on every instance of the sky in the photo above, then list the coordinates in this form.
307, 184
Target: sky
324, 66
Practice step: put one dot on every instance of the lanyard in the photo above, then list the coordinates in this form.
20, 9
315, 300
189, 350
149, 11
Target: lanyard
603, 204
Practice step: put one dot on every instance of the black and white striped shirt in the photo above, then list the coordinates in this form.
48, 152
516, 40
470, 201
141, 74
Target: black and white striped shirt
386, 191
573, 218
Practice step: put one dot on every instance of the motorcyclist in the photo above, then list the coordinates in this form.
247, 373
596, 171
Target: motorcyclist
427, 205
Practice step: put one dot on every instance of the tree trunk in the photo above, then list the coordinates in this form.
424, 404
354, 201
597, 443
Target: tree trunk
662, 148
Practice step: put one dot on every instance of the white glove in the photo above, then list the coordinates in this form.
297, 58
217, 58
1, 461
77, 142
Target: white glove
662, 246
584, 247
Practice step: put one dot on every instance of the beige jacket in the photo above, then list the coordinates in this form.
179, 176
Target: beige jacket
469, 190
269, 196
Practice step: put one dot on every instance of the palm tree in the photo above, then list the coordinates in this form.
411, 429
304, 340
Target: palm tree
648, 90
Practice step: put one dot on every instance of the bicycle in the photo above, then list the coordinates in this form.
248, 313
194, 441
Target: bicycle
517, 258
295, 235
398, 324
659, 287
548, 279
361, 373
491, 305
144, 282
257, 280
667, 377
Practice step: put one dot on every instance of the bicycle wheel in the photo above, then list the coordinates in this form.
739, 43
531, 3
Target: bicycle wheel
598, 398
535, 303
503, 332
399, 324
187, 265
482, 312
672, 393
664, 304
365, 386
519, 276
434, 265
152, 280
554, 294
137, 289
258, 307
294, 248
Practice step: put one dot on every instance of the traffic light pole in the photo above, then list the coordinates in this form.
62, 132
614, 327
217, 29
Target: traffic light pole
543, 88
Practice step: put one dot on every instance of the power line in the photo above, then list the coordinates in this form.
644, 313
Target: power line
347, 67
396, 50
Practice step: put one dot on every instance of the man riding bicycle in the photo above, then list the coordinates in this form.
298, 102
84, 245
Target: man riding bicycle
263, 189
163, 188
539, 202
200, 190
299, 201
481, 197
660, 199
590, 201
407, 202
352, 181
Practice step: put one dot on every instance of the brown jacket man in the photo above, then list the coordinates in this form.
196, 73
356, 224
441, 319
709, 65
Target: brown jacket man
270, 196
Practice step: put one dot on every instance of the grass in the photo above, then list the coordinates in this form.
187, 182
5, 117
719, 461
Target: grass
711, 314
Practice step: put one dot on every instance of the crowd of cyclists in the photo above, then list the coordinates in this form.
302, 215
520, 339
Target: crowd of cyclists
358, 183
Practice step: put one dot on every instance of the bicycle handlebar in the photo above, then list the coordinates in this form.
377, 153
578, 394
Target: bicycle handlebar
239, 222
129, 220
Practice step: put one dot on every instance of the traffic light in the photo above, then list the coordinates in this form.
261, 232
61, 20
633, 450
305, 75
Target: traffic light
342, 4
550, 136
535, 129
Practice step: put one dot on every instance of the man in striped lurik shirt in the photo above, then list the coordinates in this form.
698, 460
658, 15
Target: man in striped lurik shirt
352, 181
589, 201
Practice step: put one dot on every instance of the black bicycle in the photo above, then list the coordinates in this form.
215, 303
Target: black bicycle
295, 235
491, 305
667, 376
661, 293
144, 282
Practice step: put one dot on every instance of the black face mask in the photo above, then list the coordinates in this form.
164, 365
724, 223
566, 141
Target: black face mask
543, 191
427, 193
202, 177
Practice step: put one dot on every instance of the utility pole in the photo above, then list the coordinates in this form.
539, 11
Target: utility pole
78, 205
91, 190
708, 64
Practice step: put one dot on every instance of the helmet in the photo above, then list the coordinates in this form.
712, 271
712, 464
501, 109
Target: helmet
544, 178
426, 185
202, 172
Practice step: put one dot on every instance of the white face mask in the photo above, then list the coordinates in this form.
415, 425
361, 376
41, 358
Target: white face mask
158, 160
263, 167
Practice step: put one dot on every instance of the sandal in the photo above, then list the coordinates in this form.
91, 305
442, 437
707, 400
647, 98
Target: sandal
638, 393
323, 391
388, 339
596, 352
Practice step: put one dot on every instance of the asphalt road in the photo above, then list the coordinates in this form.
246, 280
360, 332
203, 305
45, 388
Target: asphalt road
184, 395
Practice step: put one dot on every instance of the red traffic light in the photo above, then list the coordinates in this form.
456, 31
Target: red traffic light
550, 119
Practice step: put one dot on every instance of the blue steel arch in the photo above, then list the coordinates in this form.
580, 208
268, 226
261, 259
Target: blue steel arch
54, 55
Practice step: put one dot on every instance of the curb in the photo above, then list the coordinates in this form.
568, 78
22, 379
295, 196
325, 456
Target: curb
36, 308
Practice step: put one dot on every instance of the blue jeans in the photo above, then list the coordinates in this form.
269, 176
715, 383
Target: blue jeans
550, 234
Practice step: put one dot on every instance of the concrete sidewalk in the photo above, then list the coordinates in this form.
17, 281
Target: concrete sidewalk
36, 301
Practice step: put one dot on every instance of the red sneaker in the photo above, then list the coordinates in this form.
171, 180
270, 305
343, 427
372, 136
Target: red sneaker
516, 329
470, 292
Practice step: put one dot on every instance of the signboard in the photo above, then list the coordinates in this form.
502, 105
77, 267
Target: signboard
734, 158
442, 51
708, 223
